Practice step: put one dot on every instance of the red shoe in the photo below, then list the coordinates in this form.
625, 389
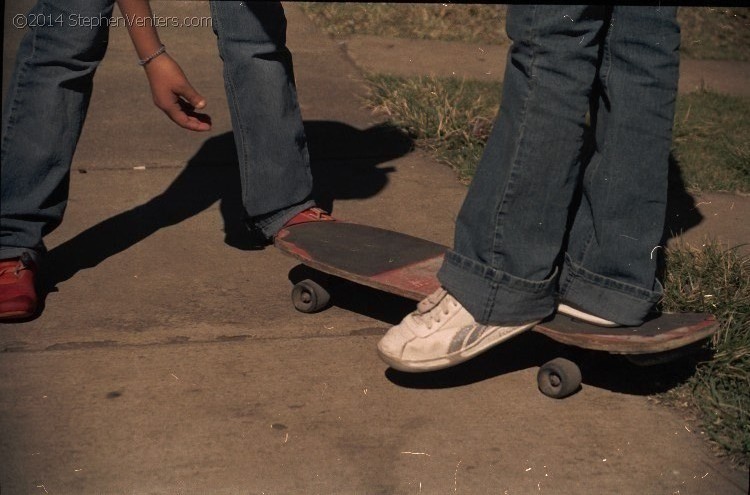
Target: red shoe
18, 297
313, 214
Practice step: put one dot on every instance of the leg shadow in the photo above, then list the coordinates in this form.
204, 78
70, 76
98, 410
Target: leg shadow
345, 165
346, 161
211, 175
682, 214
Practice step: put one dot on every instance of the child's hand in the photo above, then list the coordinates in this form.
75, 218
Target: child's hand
174, 94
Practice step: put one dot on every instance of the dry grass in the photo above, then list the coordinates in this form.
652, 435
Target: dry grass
451, 117
716, 33
447, 22
716, 280
711, 141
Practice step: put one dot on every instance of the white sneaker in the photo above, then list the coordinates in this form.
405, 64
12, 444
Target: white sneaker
584, 316
440, 334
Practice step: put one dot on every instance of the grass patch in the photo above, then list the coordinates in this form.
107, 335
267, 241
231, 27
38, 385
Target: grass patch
448, 116
711, 141
448, 22
453, 118
716, 280
716, 33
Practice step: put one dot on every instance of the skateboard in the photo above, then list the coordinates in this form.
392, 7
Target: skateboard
407, 266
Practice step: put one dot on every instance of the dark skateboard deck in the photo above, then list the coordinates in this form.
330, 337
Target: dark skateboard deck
378, 258
407, 266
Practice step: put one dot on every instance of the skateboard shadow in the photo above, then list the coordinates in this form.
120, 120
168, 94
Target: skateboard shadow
345, 162
530, 350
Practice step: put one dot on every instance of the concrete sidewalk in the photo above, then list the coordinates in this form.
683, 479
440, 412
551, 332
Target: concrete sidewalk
169, 360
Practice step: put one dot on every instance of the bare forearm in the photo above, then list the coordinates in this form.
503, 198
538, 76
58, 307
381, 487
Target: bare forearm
139, 19
171, 90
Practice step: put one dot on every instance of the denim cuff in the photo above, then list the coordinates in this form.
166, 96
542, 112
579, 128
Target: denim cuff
494, 297
270, 224
605, 297
16, 252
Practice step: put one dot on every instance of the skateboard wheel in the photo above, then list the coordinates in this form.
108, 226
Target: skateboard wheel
309, 296
559, 378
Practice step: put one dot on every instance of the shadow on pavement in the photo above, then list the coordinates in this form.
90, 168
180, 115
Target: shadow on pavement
530, 350
345, 164
345, 161
682, 213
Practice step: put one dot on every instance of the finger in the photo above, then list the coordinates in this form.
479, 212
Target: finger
179, 116
189, 94
197, 121
196, 124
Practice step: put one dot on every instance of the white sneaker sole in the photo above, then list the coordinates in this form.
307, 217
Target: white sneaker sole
488, 340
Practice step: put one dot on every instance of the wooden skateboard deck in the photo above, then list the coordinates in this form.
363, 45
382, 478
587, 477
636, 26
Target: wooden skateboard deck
378, 258
407, 266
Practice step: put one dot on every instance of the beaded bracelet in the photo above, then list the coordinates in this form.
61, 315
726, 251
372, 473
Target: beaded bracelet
148, 59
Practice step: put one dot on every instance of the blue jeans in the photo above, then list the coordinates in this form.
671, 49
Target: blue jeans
268, 130
50, 90
43, 115
522, 241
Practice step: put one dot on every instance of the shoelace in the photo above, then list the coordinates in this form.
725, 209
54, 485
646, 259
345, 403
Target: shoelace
436, 306
430, 301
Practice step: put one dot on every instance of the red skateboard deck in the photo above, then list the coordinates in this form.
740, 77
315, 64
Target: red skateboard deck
407, 266
378, 258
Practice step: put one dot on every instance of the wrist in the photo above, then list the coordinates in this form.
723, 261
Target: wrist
145, 61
